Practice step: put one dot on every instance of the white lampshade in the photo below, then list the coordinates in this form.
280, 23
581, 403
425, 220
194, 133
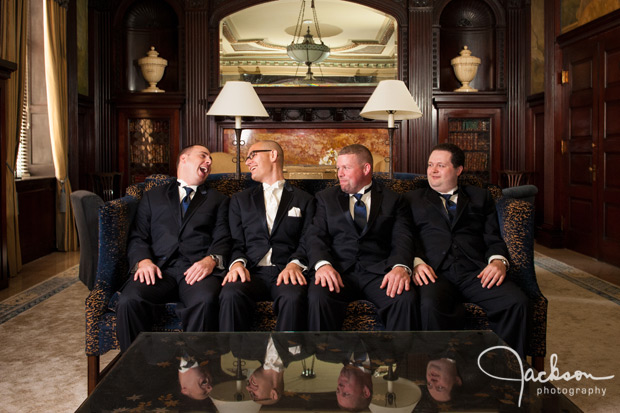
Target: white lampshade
237, 99
391, 101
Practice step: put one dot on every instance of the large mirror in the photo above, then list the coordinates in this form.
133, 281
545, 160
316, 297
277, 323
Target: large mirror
362, 44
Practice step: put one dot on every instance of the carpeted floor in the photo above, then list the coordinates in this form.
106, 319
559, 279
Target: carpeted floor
43, 366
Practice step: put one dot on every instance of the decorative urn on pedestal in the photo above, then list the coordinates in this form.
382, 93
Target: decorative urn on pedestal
465, 67
152, 70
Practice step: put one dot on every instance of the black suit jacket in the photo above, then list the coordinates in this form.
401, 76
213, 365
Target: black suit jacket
474, 232
386, 241
248, 226
160, 233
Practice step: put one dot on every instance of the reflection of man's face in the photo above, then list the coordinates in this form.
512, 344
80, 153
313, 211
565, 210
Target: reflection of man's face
352, 393
261, 388
195, 383
441, 377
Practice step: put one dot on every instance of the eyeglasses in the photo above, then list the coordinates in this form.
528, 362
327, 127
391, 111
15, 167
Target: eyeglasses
252, 154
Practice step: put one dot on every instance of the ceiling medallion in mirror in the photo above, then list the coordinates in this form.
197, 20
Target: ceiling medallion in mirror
362, 43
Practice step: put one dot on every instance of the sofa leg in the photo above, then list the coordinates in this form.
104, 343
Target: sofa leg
93, 373
538, 362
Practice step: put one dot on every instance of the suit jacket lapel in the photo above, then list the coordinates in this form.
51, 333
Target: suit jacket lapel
343, 201
434, 199
461, 205
376, 199
258, 199
174, 202
285, 201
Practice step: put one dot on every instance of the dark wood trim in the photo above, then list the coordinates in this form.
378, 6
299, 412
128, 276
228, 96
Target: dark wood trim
6, 69
73, 154
593, 28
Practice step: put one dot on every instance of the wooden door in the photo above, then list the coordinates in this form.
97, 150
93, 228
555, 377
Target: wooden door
581, 132
608, 149
591, 147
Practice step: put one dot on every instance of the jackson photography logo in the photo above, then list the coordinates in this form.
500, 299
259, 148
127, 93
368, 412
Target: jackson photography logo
530, 375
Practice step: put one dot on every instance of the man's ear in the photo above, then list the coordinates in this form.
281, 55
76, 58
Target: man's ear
366, 392
459, 171
274, 394
366, 168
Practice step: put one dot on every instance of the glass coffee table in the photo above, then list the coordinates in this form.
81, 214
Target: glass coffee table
456, 371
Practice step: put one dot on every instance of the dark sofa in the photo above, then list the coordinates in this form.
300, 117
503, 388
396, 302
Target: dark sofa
516, 220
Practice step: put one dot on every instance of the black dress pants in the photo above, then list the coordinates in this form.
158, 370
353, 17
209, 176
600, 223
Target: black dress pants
197, 305
238, 301
506, 305
327, 308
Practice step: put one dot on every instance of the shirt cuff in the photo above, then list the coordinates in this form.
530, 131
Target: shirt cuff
405, 267
417, 261
241, 260
303, 267
501, 258
320, 264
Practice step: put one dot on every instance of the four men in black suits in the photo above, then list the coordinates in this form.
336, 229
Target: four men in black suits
461, 255
360, 245
268, 223
178, 244
358, 240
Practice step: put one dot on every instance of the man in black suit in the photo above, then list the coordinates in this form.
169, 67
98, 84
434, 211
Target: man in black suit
462, 256
361, 246
177, 244
267, 224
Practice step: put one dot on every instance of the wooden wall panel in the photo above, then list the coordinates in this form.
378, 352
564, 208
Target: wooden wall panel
198, 76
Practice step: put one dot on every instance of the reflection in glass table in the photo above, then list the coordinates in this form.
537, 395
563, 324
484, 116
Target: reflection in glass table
321, 372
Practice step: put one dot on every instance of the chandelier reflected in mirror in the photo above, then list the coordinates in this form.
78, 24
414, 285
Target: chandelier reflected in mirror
306, 51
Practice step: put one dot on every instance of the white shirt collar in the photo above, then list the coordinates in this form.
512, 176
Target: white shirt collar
182, 184
274, 186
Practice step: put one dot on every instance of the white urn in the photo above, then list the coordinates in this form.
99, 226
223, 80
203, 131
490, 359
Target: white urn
153, 68
465, 67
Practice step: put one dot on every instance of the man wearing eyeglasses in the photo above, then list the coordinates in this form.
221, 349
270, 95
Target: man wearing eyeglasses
360, 245
268, 260
177, 244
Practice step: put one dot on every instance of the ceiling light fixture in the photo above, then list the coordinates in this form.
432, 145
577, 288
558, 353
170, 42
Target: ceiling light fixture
307, 51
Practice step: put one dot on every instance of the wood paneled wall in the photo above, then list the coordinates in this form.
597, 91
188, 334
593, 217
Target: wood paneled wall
199, 43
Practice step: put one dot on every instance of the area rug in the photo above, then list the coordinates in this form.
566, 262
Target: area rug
583, 331
21, 302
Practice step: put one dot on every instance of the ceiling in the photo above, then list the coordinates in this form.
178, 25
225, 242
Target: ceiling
362, 40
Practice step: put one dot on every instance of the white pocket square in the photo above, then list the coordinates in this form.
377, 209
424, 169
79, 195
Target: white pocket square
294, 212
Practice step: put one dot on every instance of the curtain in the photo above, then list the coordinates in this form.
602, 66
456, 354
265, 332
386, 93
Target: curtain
55, 44
14, 26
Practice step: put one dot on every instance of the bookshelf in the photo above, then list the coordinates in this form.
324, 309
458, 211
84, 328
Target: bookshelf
477, 132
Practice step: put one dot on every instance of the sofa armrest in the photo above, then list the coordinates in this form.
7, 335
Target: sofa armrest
517, 227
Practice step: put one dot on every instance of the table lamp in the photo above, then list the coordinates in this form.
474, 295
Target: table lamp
391, 101
237, 99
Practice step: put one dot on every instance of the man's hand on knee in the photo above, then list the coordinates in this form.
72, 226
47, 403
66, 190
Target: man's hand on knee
493, 274
396, 281
423, 274
237, 272
292, 274
199, 270
327, 276
147, 271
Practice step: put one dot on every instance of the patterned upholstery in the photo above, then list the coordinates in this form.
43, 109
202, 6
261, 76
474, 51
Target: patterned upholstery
517, 226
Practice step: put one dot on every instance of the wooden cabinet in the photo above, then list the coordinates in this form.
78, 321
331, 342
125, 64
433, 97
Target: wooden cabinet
148, 135
478, 132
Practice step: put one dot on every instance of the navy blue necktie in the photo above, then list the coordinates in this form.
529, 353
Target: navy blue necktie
450, 206
359, 211
186, 200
